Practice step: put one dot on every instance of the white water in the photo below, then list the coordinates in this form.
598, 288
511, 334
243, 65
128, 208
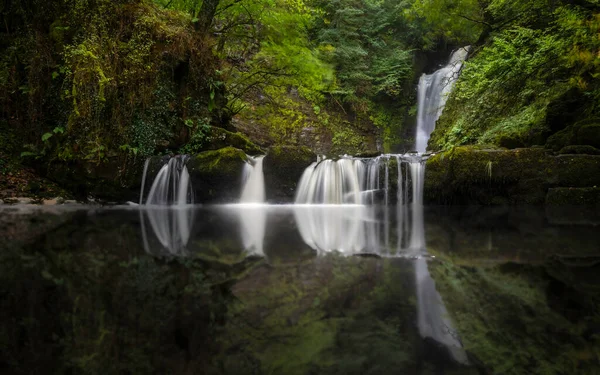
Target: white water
347, 181
432, 96
171, 186
254, 185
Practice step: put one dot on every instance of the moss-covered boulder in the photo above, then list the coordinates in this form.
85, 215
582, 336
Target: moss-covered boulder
586, 132
589, 134
214, 138
577, 170
469, 175
216, 175
283, 168
580, 149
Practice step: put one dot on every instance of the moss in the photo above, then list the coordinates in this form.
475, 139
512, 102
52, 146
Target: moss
589, 134
219, 138
518, 306
283, 168
217, 175
208, 137
580, 149
469, 175
293, 120
577, 170
586, 132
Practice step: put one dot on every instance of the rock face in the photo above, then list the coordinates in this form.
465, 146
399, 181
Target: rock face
218, 138
113, 180
216, 176
283, 167
467, 175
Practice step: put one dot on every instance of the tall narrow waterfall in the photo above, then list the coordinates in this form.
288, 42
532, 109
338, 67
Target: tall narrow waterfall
171, 186
254, 186
432, 95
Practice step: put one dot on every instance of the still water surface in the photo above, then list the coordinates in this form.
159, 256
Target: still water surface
251, 289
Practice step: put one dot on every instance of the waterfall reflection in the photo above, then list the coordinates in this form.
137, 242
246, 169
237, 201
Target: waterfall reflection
342, 228
346, 229
171, 229
253, 221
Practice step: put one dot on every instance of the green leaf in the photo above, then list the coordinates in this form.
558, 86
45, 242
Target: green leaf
28, 153
46, 136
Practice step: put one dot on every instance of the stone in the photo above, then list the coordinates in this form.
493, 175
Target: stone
219, 138
216, 176
283, 167
589, 134
580, 149
469, 175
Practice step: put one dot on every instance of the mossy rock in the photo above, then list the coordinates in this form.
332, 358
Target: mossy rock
467, 175
219, 138
562, 139
110, 181
216, 175
580, 149
586, 132
578, 170
589, 134
283, 167
510, 141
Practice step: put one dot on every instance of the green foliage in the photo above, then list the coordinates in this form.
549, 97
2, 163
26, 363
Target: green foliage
506, 88
457, 22
113, 73
200, 133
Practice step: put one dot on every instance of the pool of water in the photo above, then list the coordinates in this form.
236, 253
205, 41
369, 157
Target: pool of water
251, 289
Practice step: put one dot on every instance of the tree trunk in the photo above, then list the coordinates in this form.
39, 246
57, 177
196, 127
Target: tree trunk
207, 14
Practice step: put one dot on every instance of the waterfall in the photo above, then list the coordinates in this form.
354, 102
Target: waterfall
254, 185
171, 186
432, 95
345, 181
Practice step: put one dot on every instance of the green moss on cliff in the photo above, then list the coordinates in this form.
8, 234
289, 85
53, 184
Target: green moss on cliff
470, 174
534, 76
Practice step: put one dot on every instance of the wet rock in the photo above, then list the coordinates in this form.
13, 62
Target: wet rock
116, 179
283, 167
216, 176
470, 175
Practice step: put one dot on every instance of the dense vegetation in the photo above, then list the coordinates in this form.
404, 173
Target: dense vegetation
532, 81
88, 86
